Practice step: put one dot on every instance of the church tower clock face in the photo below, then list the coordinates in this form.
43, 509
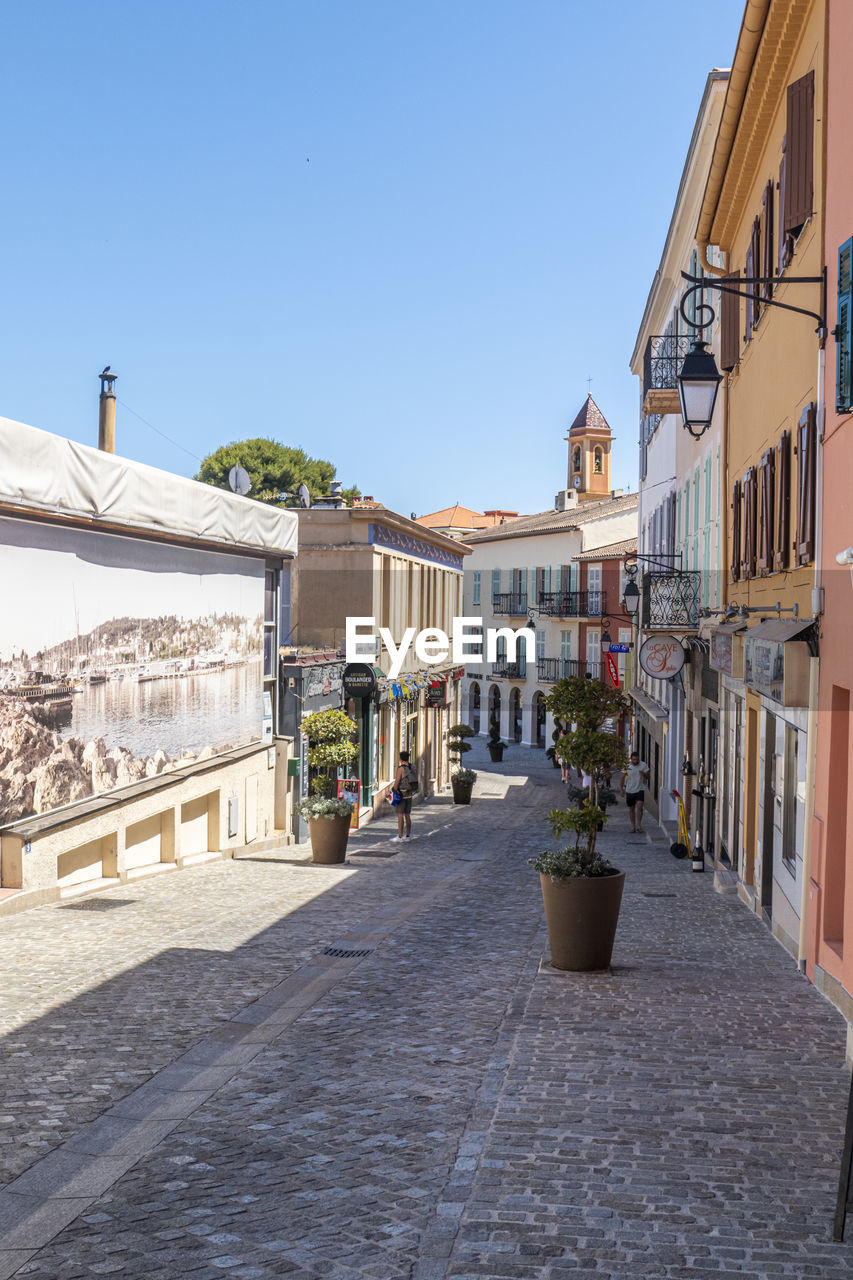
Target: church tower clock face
577, 482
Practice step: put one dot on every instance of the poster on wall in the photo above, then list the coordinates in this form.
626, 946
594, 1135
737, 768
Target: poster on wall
120, 659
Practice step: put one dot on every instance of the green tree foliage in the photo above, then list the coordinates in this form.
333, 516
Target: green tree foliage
273, 469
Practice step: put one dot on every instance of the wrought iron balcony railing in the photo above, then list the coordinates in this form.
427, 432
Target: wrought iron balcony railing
509, 670
663, 358
671, 600
572, 604
511, 603
548, 670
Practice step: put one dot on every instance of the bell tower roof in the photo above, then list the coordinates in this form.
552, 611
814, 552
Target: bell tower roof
589, 419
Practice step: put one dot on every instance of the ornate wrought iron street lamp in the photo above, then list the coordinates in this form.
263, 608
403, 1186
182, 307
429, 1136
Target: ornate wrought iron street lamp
698, 381
699, 376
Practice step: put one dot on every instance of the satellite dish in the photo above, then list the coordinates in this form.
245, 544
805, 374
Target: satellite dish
239, 480
304, 496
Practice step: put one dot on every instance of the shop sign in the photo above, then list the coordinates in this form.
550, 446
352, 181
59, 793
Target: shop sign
721, 653
436, 695
359, 680
661, 657
778, 669
458, 673
613, 671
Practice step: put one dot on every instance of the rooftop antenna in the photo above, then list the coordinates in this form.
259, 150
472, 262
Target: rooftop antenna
238, 479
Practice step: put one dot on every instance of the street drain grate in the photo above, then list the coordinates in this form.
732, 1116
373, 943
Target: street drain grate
345, 953
97, 904
658, 895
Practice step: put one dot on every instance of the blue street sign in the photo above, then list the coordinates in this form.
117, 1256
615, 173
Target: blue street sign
620, 648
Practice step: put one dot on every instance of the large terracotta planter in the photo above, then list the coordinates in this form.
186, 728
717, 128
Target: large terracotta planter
582, 913
328, 839
461, 790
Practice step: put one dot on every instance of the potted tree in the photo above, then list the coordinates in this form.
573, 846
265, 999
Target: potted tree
581, 890
462, 780
496, 747
330, 736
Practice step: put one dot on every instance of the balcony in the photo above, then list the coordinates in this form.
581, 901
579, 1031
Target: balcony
572, 604
509, 670
549, 670
512, 603
671, 600
663, 358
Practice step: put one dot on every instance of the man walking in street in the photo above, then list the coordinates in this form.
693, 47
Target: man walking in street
633, 784
405, 784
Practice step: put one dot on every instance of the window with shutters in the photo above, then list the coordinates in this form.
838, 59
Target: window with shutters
496, 584
737, 511
799, 156
477, 579
843, 331
730, 325
767, 517
783, 500
806, 474
786, 241
750, 523
767, 263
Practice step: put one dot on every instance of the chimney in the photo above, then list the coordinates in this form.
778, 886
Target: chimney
107, 412
565, 500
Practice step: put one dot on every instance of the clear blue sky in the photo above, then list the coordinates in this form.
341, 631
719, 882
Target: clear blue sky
398, 235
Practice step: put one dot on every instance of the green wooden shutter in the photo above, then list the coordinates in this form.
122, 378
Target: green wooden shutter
843, 331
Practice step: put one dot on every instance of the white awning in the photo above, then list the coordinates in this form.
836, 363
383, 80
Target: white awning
779, 629
44, 474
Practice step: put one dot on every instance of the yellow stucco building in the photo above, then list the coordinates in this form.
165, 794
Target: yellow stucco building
763, 208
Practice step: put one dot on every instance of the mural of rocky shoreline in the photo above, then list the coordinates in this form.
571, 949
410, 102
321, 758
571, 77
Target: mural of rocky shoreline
40, 771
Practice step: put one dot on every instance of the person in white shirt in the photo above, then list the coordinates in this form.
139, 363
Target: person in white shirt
633, 784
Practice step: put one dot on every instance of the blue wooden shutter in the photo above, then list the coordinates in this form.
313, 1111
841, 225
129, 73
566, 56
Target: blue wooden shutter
843, 331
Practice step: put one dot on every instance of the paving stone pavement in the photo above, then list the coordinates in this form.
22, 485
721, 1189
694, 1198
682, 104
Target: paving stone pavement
193, 1087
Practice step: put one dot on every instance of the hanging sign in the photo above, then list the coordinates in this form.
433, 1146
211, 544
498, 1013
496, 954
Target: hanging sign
359, 680
661, 657
436, 695
613, 670
620, 648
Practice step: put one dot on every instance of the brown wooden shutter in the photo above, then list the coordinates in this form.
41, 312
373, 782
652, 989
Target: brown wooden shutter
806, 475
766, 521
755, 252
750, 506
737, 503
783, 500
799, 166
749, 272
767, 264
786, 242
730, 325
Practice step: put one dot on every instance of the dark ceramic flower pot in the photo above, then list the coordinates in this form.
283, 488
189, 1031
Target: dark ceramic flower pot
462, 789
329, 839
496, 751
581, 913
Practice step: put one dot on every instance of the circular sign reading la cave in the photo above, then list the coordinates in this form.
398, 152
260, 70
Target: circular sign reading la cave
359, 680
661, 657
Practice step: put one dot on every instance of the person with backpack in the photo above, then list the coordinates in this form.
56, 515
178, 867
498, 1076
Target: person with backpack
406, 786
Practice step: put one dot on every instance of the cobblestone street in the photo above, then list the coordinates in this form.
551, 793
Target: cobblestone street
196, 1084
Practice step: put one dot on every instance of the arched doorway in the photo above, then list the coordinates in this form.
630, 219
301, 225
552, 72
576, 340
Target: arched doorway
515, 726
538, 734
474, 706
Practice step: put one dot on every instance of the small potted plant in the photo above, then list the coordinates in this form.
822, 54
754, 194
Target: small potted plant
462, 780
496, 747
581, 890
330, 737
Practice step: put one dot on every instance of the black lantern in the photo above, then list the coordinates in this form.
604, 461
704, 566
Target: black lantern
631, 599
697, 388
606, 639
